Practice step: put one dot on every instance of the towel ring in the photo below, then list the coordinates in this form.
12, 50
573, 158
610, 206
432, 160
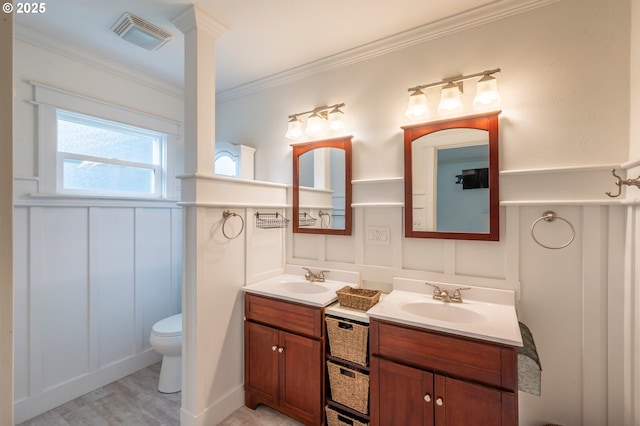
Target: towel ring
226, 215
550, 216
322, 221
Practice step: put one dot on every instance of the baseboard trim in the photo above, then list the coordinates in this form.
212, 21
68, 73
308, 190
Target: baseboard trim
214, 414
34, 405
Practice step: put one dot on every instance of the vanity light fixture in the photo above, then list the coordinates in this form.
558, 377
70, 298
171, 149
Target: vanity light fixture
417, 107
450, 99
315, 125
336, 120
487, 95
321, 121
295, 128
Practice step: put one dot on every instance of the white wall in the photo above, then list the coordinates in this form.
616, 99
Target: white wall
630, 367
564, 123
6, 222
91, 275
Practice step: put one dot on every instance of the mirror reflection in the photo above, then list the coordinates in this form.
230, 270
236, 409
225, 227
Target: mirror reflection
322, 187
451, 179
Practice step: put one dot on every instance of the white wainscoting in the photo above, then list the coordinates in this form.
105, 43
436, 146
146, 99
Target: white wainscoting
574, 299
90, 282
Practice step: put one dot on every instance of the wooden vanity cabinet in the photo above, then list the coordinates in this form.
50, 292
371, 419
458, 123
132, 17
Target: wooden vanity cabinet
420, 377
283, 361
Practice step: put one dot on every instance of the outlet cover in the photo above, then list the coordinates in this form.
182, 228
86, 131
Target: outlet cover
377, 235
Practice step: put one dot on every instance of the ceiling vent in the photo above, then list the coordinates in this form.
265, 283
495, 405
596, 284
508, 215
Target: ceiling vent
140, 32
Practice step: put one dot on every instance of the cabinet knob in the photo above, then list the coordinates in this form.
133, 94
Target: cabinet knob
274, 347
427, 398
439, 402
280, 350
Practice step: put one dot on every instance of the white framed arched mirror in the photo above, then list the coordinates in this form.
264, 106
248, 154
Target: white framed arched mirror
452, 178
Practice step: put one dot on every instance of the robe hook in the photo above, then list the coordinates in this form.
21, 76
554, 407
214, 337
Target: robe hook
620, 182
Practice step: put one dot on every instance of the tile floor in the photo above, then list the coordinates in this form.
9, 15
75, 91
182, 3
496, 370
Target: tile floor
135, 401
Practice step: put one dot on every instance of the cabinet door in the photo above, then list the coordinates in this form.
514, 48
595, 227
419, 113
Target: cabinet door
261, 364
301, 376
460, 403
400, 395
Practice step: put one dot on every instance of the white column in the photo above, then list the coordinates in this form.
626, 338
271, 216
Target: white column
6, 221
202, 320
200, 34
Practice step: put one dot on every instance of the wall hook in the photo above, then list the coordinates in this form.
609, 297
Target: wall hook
620, 182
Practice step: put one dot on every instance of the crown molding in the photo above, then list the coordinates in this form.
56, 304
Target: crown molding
494, 11
36, 38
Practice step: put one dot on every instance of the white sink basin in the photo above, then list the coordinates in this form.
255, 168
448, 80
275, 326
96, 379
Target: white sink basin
447, 312
485, 313
292, 286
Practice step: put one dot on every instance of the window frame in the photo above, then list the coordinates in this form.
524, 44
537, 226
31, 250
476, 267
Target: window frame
49, 100
158, 169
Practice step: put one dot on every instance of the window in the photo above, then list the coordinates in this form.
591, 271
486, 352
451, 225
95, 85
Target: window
227, 164
100, 156
93, 148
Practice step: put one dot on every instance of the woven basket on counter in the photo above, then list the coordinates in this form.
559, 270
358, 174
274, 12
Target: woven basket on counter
334, 418
348, 340
349, 387
361, 299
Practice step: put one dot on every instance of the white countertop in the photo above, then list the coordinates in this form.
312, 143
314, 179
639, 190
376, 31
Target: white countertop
292, 286
487, 314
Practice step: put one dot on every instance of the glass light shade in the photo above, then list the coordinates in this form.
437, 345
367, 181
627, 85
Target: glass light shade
336, 120
450, 101
417, 107
294, 129
315, 125
487, 94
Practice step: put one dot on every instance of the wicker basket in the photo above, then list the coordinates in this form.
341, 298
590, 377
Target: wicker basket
348, 340
334, 418
349, 387
358, 298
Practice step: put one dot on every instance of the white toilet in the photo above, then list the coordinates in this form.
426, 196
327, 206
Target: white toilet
166, 339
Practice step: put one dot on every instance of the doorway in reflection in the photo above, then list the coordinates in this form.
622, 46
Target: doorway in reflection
462, 189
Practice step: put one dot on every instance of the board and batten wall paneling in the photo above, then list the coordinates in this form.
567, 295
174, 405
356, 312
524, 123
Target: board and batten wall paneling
154, 293
21, 302
90, 283
265, 246
59, 344
572, 298
112, 283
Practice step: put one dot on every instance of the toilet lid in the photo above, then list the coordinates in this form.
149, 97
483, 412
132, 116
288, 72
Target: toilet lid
171, 326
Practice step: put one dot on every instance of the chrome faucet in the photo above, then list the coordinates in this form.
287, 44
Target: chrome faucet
314, 277
439, 294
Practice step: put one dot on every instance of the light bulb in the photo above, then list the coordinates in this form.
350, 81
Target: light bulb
417, 107
294, 129
336, 120
315, 125
450, 101
487, 95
